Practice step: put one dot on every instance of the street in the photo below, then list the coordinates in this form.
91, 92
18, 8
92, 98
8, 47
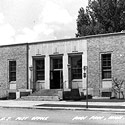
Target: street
19, 116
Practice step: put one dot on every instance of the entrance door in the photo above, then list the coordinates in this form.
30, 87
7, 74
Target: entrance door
56, 77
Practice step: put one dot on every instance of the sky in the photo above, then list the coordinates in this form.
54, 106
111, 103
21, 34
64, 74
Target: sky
23, 21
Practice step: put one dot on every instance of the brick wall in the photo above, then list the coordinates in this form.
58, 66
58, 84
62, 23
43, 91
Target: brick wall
18, 53
111, 43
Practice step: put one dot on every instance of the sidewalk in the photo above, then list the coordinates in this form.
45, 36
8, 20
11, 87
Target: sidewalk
64, 105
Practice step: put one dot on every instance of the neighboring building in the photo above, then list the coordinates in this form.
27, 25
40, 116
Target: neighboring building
105, 60
58, 64
13, 68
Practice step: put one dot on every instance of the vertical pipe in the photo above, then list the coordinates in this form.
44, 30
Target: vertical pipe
27, 58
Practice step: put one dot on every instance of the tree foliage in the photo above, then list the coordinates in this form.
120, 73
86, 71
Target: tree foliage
101, 16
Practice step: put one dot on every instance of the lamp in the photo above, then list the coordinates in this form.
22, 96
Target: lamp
31, 68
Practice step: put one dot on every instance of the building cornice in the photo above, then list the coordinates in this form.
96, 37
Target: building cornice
67, 39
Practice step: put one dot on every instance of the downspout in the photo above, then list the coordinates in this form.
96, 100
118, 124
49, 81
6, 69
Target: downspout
27, 59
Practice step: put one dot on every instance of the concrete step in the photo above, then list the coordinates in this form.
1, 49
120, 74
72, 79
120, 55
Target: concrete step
96, 97
45, 95
46, 92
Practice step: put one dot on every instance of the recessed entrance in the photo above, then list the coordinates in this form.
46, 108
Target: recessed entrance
56, 73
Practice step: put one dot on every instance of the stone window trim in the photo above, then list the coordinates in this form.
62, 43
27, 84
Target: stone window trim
55, 55
75, 54
12, 71
38, 57
106, 66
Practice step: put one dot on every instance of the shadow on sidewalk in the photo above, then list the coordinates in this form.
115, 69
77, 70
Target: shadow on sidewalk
90, 106
99, 100
82, 106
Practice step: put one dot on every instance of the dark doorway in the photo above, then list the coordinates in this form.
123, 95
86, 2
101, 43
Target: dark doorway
56, 81
56, 73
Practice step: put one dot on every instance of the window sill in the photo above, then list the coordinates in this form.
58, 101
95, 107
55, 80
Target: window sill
80, 80
107, 79
12, 82
40, 81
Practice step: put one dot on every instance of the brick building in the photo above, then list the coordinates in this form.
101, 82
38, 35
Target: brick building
58, 64
13, 68
105, 60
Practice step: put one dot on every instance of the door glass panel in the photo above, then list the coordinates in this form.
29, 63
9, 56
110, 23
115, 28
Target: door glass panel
57, 63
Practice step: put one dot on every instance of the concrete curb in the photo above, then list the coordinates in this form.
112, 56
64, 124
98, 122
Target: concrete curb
68, 108
78, 108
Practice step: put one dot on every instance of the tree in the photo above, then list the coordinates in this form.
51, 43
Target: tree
101, 16
118, 87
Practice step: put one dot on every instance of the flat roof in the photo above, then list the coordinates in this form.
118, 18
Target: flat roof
67, 39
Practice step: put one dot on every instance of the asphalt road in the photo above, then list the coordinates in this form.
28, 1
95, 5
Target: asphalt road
19, 116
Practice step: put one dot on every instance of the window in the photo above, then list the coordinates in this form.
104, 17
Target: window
39, 66
106, 66
12, 71
57, 63
76, 67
